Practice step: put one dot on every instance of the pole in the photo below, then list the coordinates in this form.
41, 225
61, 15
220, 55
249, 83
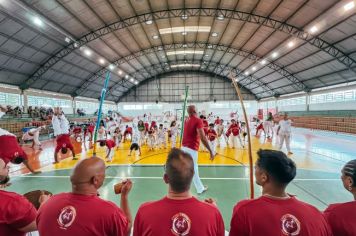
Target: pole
252, 188
184, 108
102, 97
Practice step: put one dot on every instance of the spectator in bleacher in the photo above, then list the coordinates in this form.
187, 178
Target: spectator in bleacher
82, 211
284, 132
276, 212
17, 214
342, 216
3, 110
179, 213
61, 132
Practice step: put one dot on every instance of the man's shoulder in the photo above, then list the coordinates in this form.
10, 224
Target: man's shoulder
11, 196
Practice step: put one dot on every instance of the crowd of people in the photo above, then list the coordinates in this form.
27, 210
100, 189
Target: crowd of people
83, 212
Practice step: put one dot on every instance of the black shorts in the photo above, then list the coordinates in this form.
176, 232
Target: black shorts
134, 146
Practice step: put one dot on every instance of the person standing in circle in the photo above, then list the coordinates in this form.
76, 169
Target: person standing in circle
193, 131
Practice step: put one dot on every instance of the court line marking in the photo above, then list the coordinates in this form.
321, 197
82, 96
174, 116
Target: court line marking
161, 177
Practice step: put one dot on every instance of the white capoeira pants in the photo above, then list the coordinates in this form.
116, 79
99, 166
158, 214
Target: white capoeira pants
268, 126
111, 155
196, 179
174, 141
212, 145
233, 141
284, 137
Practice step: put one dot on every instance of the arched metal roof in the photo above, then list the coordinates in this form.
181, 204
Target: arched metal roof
275, 47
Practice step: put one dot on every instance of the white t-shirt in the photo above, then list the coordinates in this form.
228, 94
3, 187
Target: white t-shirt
286, 126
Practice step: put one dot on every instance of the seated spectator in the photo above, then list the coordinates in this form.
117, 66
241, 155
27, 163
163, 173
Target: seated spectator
17, 214
179, 213
82, 212
276, 212
342, 216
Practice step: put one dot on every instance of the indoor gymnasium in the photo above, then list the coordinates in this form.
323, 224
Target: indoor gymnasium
178, 118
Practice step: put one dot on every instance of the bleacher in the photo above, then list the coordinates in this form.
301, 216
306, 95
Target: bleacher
337, 121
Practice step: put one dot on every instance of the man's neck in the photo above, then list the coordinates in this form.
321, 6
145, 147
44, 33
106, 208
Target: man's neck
85, 191
179, 196
277, 192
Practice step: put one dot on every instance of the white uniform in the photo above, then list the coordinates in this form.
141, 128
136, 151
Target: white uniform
102, 133
174, 133
221, 135
33, 134
60, 125
285, 133
161, 138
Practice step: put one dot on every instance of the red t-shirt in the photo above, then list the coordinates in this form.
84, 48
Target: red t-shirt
10, 148
271, 217
110, 143
16, 212
217, 121
128, 130
91, 128
205, 126
77, 130
234, 129
178, 217
190, 135
342, 218
63, 140
74, 215
211, 134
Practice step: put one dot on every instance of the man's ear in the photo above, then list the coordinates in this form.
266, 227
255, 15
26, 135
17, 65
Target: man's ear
166, 179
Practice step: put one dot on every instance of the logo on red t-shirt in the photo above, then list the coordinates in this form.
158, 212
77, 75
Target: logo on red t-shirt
180, 224
290, 225
66, 217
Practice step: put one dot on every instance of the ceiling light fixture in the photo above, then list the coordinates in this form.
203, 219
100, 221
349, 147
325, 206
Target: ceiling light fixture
101, 61
246, 73
221, 17
263, 62
184, 33
185, 65
136, 82
132, 80
149, 22
214, 34
254, 68
126, 76
210, 46
120, 72
76, 45
184, 17
349, 6
313, 29
38, 21
155, 36
206, 55
87, 52
290, 44
184, 45
274, 55
111, 67
67, 40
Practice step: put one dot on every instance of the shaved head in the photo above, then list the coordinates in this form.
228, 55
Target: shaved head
191, 109
4, 172
88, 174
179, 170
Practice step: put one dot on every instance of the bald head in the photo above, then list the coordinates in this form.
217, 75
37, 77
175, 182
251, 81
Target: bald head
191, 110
4, 172
88, 173
179, 170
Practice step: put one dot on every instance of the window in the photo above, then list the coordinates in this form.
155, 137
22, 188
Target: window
11, 99
219, 105
153, 106
340, 96
132, 107
37, 101
86, 105
292, 101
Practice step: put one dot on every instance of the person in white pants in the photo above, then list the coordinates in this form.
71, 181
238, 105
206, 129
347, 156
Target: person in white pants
193, 130
284, 132
212, 135
33, 134
268, 125
174, 133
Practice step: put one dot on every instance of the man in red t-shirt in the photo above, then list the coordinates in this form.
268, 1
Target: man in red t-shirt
179, 213
276, 212
11, 151
82, 212
17, 214
217, 121
341, 216
128, 131
110, 145
193, 131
